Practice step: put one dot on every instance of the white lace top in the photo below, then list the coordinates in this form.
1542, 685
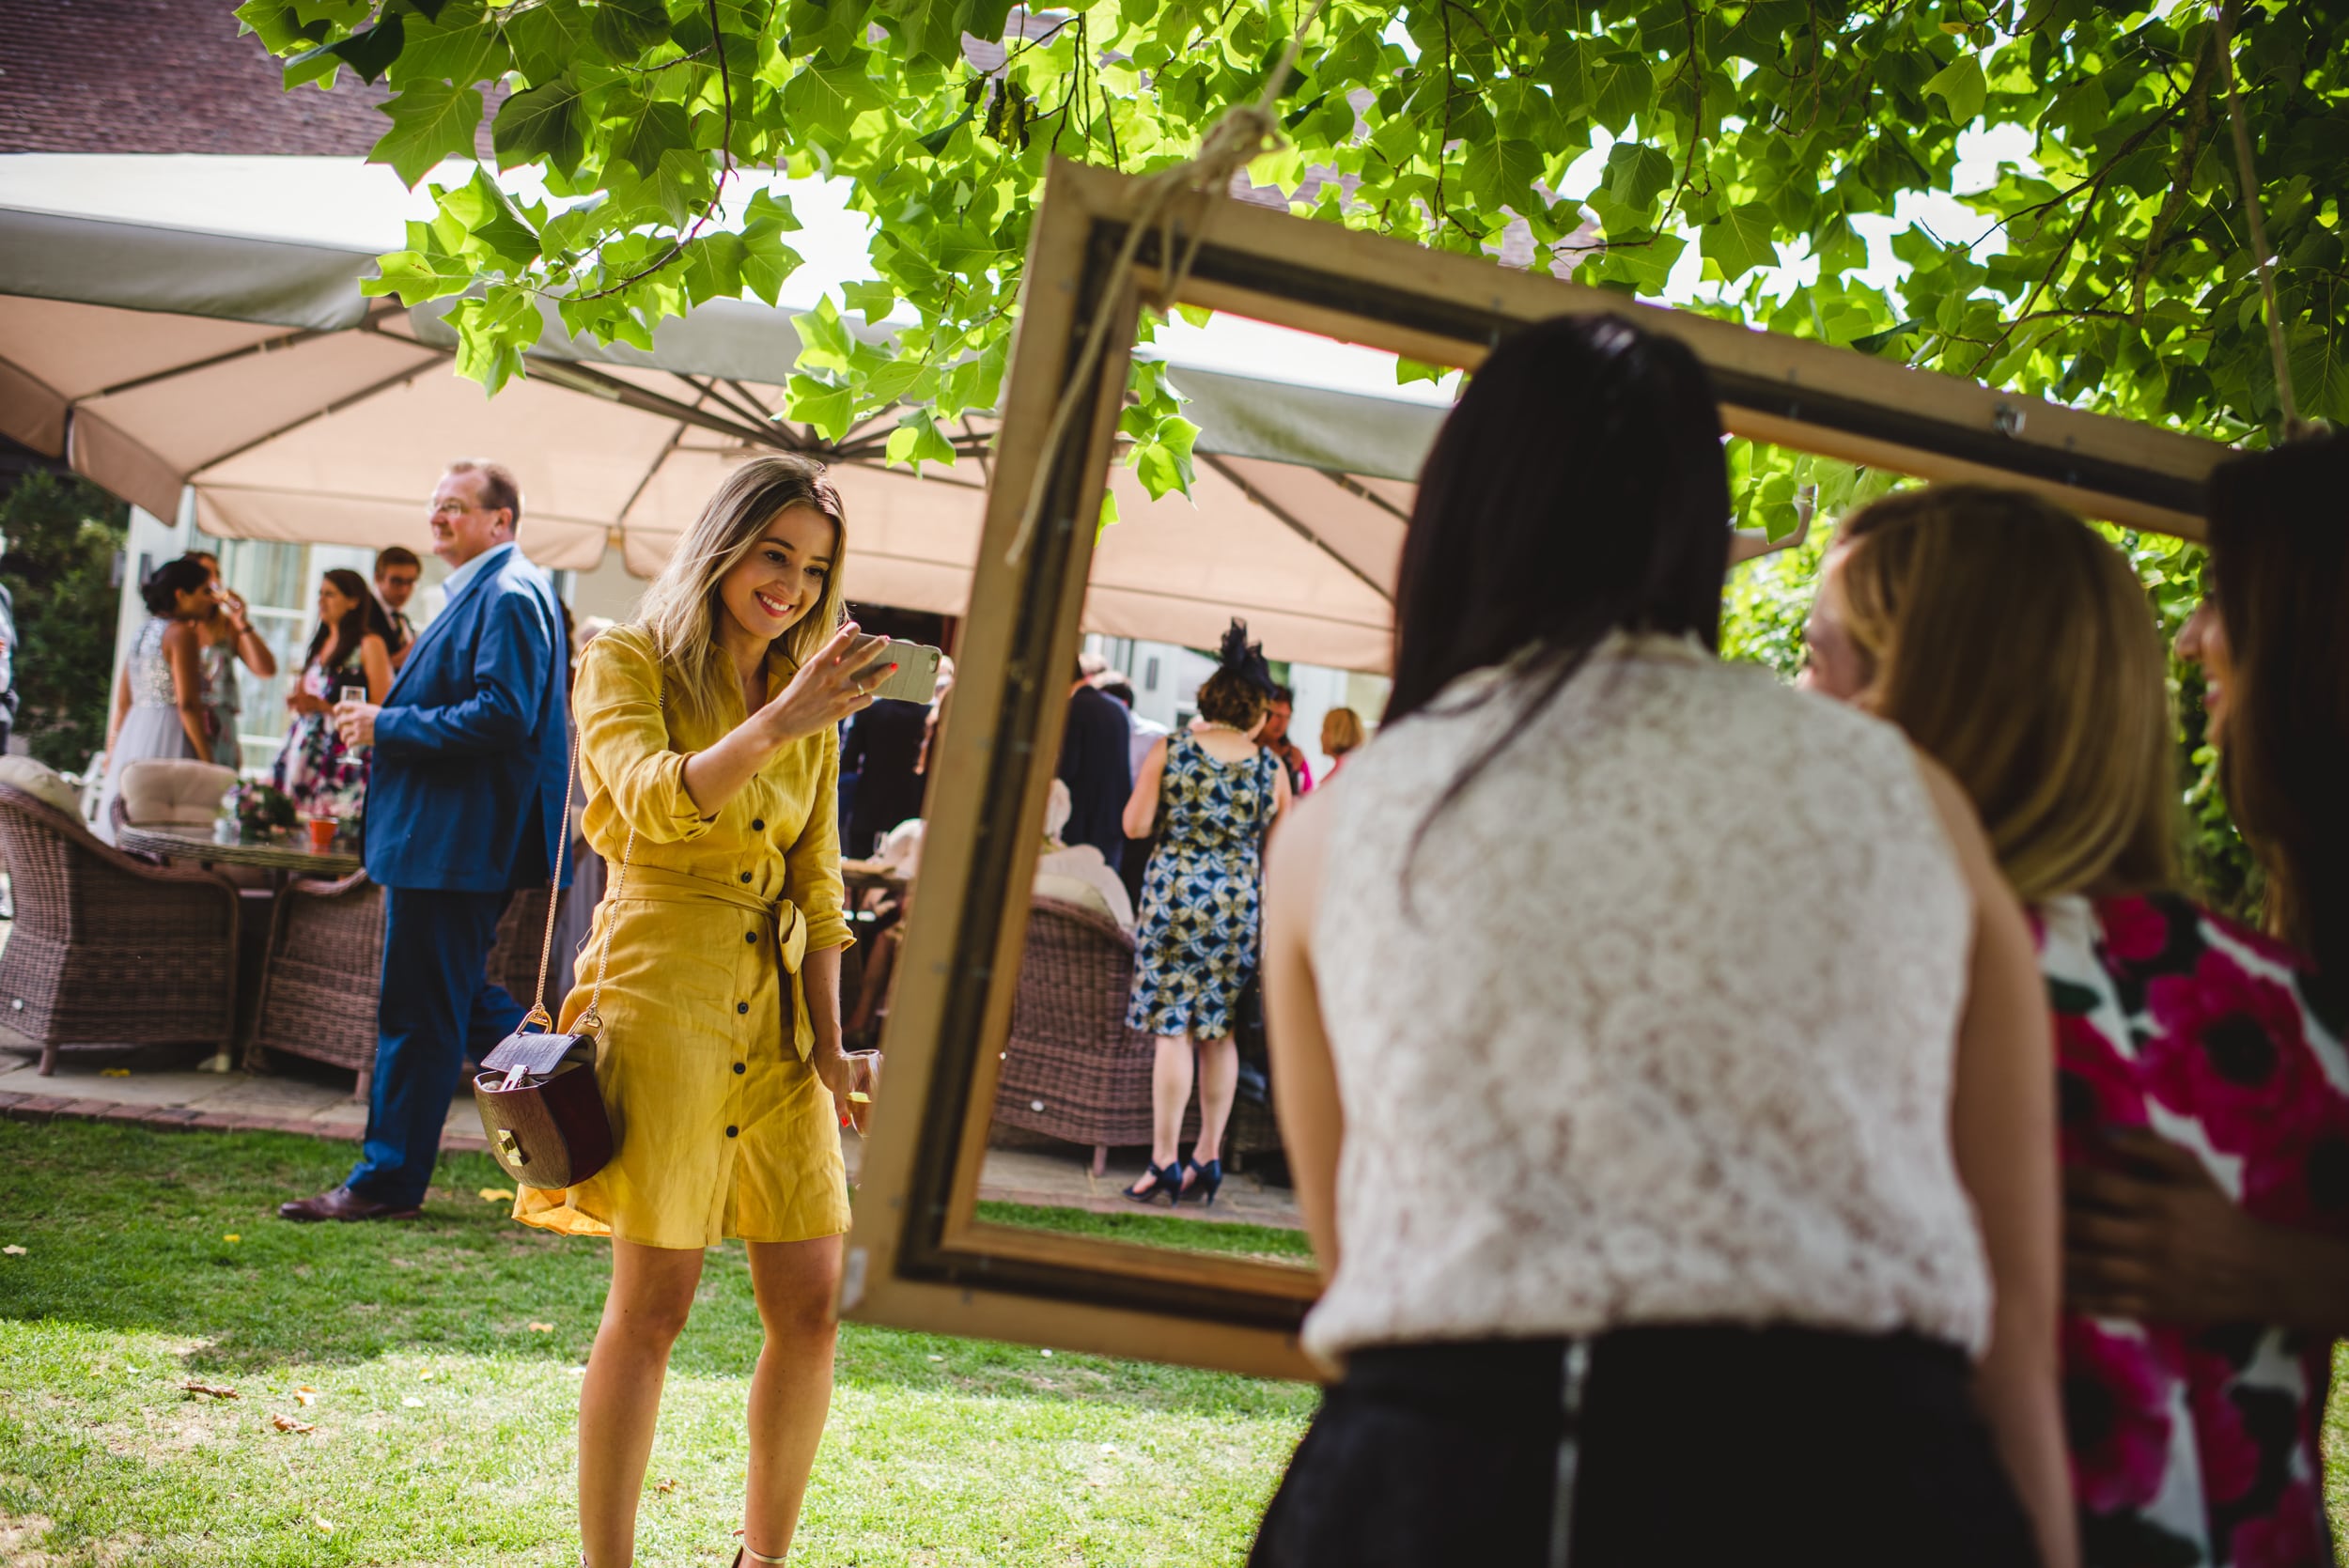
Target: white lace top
1666, 1032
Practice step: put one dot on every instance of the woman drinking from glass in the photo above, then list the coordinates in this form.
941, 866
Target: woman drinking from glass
352, 648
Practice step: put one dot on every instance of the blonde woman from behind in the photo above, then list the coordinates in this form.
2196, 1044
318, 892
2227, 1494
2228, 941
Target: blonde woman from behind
711, 764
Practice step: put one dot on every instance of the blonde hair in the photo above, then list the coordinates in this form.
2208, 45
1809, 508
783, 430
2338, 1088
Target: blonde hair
2016, 650
680, 608
1341, 731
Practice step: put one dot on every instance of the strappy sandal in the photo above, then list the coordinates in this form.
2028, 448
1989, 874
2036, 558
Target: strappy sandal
744, 1556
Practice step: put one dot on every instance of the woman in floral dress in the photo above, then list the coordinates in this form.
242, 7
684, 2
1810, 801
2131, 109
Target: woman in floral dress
1197, 948
351, 646
2203, 1084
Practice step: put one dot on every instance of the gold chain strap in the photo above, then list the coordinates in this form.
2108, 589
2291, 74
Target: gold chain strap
591, 1021
554, 895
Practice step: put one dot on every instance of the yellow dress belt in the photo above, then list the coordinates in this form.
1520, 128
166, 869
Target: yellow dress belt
789, 925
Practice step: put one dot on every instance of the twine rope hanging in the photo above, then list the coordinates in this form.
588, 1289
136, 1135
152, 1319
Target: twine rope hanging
2247, 182
1173, 204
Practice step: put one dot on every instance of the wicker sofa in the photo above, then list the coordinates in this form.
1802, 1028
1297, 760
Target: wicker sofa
1071, 1069
325, 969
107, 949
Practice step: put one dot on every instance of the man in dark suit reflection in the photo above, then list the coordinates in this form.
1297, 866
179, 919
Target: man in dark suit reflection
1097, 765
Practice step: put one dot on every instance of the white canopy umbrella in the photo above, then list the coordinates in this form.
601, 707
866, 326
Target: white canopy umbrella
253, 372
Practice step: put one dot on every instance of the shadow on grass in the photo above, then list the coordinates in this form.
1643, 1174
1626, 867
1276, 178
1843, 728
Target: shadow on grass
176, 1233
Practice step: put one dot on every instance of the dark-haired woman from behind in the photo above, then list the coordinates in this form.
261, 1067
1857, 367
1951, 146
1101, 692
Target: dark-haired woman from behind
352, 648
1650, 1041
159, 707
2015, 648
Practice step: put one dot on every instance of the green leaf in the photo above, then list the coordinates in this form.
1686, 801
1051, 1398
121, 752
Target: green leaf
829, 409
430, 120
712, 267
1166, 464
873, 301
416, 276
1109, 512
545, 38
1501, 172
370, 53
1739, 239
1410, 370
1961, 88
767, 262
492, 221
625, 29
541, 124
917, 440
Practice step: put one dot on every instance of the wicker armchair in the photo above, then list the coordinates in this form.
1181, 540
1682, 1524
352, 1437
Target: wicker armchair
514, 957
326, 966
1072, 1070
324, 974
106, 949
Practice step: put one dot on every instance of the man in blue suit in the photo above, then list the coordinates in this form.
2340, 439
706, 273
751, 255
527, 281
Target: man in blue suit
465, 803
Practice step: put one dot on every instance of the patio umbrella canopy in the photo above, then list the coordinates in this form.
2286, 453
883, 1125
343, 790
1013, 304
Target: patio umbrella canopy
255, 374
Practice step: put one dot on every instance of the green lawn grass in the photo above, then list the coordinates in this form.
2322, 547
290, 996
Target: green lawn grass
444, 1420
1227, 1237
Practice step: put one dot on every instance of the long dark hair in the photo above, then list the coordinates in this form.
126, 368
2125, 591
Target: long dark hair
365, 616
2279, 558
1579, 487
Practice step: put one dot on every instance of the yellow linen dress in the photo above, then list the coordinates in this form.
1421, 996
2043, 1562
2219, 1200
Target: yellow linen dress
721, 1127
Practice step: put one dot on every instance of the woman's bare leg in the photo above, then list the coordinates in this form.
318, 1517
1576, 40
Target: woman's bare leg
619, 1401
798, 1284
1218, 1086
1170, 1096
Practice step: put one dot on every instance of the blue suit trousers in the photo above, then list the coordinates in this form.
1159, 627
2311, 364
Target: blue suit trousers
438, 1009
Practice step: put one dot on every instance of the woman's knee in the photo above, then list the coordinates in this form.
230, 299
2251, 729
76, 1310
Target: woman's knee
652, 1294
798, 1285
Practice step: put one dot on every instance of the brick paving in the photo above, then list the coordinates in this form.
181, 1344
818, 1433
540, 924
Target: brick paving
160, 1090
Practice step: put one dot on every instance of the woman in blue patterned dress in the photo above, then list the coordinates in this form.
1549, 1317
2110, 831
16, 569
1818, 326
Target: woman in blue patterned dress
1196, 952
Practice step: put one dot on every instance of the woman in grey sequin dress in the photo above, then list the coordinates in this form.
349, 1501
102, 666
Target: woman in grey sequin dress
159, 702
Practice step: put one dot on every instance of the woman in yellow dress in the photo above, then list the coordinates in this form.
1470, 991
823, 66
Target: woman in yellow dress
710, 750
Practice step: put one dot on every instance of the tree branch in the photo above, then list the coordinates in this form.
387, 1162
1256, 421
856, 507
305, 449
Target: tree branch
725, 153
2181, 169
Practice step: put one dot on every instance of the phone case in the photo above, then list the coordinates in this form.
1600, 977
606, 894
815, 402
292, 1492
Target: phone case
916, 680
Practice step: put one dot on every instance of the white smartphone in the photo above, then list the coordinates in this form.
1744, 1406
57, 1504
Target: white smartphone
916, 680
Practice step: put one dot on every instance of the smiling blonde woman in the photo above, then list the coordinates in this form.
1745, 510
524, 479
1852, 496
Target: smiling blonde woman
709, 752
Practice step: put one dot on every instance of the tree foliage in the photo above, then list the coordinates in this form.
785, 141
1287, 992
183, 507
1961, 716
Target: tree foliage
2115, 273
63, 537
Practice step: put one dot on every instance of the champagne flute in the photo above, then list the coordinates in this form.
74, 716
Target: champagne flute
351, 694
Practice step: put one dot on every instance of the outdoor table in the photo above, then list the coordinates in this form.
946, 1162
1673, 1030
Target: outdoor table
188, 842
180, 842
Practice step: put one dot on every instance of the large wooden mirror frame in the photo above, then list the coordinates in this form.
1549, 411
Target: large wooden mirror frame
918, 1255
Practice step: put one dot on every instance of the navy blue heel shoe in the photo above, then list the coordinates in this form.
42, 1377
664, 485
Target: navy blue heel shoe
1165, 1180
1208, 1182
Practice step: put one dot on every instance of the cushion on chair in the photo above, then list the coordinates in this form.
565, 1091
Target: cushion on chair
42, 783
174, 790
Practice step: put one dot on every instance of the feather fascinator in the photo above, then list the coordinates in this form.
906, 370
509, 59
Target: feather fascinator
1244, 658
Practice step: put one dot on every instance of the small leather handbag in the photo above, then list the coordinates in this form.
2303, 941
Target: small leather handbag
541, 1108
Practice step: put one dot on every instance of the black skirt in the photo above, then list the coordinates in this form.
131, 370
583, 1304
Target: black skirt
1688, 1445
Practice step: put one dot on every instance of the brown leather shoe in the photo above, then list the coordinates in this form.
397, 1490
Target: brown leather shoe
342, 1203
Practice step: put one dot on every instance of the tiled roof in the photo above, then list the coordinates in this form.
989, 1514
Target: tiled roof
166, 76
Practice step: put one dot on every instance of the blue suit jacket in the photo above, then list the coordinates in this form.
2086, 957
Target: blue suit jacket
473, 746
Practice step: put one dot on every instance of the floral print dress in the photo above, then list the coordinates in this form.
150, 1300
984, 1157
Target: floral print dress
2199, 1445
1202, 895
321, 775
